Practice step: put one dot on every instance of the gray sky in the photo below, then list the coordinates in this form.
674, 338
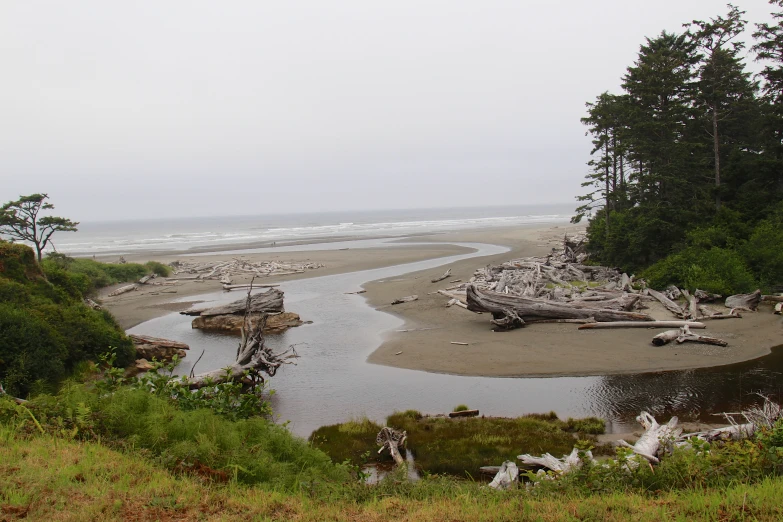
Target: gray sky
194, 108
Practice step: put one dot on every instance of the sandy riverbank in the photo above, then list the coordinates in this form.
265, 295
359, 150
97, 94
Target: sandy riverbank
537, 350
542, 349
153, 301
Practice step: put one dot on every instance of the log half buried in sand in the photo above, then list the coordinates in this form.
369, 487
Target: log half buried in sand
667, 303
406, 299
748, 301
123, 290
683, 335
270, 301
444, 276
511, 311
644, 324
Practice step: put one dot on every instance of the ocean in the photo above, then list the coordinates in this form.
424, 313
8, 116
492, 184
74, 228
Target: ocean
220, 233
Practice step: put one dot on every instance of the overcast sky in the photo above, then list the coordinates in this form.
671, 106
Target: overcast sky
194, 108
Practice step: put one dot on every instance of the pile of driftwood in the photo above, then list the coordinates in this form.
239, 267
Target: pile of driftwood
224, 271
657, 441
559, 288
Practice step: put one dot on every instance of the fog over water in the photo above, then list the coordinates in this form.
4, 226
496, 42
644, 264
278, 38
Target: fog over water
128, 110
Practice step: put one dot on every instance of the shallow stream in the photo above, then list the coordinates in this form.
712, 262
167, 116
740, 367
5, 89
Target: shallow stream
332, 382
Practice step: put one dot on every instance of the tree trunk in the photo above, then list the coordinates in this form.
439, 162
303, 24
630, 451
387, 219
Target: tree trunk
512, 311
716, 150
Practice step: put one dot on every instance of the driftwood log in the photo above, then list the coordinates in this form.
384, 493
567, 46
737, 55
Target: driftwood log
253, 357
667, 303
123, 290
657, 439
266, 302
391, 440
566, 464
406, 299
642, 324
748, 301
507, 476
755, 418
148, 347
683, 335
510, 311
444, 276
464, 413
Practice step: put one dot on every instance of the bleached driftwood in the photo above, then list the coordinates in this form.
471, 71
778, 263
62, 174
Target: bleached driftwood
511, 311
657, 439
406, 299
772, 298
706, 297
667, 303
764, 416
672, 292
560, 466
391, 440
642, 324
683, 335
444, 276
507, 477
144, 280
779, 308
229, 287
747, 301
253, 357
123, 290
270, 301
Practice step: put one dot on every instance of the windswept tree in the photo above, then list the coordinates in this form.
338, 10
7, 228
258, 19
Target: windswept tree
21, 220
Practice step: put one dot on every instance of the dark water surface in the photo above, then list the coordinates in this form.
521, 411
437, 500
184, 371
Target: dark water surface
332, 382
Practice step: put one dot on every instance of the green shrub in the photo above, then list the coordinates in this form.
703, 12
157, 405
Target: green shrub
158, 268
589, 425
716, 270
764, 253
460, 407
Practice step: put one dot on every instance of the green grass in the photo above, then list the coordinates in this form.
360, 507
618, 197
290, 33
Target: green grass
48, 478
457, 447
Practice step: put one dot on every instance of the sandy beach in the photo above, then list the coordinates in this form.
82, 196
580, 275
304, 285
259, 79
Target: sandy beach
536, 350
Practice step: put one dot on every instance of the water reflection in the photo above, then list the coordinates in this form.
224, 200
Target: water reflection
332, 381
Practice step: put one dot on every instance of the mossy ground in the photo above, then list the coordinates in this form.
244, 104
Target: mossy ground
457, 446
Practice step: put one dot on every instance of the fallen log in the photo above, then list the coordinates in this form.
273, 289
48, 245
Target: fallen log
229, 287
511, 311
749, 301
779, 308
406, 299
506, 477
683, 335
464, 413
444, 276
656, 440
560, 466
253, 358
269, 301
147, 278
391, 440
123, 290
642, 324
755, 418
667, 303
693, 306
148, 347
773, 298
706, 297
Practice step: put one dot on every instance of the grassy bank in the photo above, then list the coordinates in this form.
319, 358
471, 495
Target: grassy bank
457, 446
46, 478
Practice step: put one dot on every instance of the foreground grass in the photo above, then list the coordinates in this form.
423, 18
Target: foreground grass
458, 446
47, 478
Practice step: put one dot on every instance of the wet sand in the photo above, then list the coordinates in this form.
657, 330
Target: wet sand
537, 350
542, 349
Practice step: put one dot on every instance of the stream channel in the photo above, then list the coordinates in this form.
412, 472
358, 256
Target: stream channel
332, 382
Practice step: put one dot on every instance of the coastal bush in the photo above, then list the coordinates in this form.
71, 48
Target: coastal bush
588, 425
764, 254
716, 270
45, 328
460, 407
352, 441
